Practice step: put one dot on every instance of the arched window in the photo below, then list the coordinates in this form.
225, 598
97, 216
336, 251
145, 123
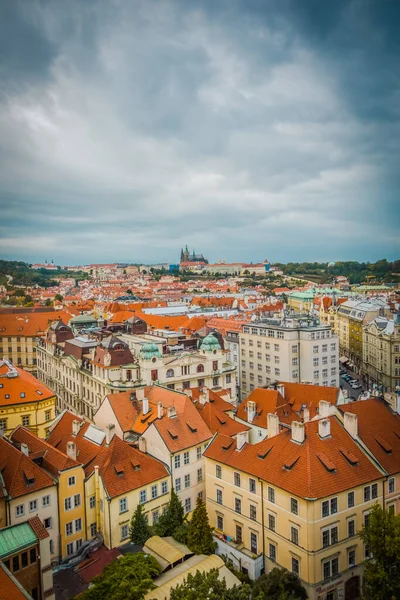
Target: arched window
200, 368
170, 373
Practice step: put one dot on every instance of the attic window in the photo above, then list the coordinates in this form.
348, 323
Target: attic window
146, 417
192, 428
264, 454
222, 422
227, 446
119, 469
136, 466
29, 476
1, 385
289, 464
383, 444
7, 396
349, 456
173, 435
39, 392
22, 394
327, 462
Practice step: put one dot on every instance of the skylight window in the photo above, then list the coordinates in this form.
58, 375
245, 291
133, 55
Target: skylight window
349, 456
383, 444
289, 464
263, 455
327, 462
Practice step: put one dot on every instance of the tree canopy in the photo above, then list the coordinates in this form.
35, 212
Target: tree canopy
127, 578
381, 535
207, 586
173, 517
279, 584
200, 538
140, 530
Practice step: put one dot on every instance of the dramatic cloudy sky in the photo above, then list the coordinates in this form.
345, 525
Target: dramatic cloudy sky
247, 129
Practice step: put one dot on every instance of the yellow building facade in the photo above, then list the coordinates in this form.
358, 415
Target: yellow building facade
24, 400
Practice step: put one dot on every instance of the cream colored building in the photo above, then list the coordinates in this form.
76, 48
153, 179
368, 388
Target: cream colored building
381, 353
292, 349
297, 501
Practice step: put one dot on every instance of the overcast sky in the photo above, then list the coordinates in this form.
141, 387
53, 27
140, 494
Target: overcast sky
246, 129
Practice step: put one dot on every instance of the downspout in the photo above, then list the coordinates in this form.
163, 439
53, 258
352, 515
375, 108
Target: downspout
97, 496
109, 522
262, 522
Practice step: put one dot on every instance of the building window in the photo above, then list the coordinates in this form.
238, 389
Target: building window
329, 536
32, 505
3, 424
78, 525
329, 507
350, 499
236, 479
220, 523
26, 420
124, 532
215, 365
93, 529
92, 501
70, 548
351, 528
177, 461
154, 491
69, 528
199, 475
294, 506
391, 485
164, 487
219, 496
198, 451
218, 471
253, 543
71, 480
271, 522
187, 480
186, 458
156, 516
123, 505
77, 500
20, 510
178, 484
142, 496
367, 494
238, 505
215, 381
47, 523
272, 552
252, 485
271, 495
47, 415
330, 568
351, 558
15, 563
294, 535
374, 490
24, 560
188, 505
45, 501
253, 512
239, 537
295, 566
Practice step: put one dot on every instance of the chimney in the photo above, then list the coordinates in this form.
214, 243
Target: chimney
142, 444
298, 432
251, 410
281, 389
140, 394
145, 405
324, 409
398, 404
351, 424
71, 450
25, 449
272, 425
205, 396
242, 438
171, 412
324, 428
75, 427
306, 415
188, 392
160, 410
110, 432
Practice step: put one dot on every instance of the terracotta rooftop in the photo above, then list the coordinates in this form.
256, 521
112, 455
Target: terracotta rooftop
126, 410
21, 388
10, 587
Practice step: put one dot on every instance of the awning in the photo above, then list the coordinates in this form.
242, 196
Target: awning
343, 359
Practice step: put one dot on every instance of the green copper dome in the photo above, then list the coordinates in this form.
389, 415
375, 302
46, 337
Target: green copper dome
210, 343
150, 350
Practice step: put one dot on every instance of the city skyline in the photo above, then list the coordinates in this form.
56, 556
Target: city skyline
248, 130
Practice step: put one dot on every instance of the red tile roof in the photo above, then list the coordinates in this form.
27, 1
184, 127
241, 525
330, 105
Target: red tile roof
218, 421
30, 324
22, 389
379, 429
297, 468
16, 469
61, 434
10, 587
38, 528
126, 410
53, 460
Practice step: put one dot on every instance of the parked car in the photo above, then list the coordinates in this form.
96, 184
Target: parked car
356, 386
343, 375
353, 381
347, 377
343, 371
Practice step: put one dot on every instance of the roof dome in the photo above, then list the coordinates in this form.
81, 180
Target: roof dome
83, 319
150, 350
210, 343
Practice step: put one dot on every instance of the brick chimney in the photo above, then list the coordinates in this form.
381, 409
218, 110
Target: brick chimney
251, 410
171, 412
324, 428
110, 432
160, 410
145, 405
281, 389
351, 424
306, 415
324, 409
242, 438
272, 425
75, 427
71, 450
204, 396
25, 449
142, 444
298, 432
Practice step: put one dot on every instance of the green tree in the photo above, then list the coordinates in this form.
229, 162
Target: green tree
279, 584
381, 536
207, 586
128, 578
58, 297
48, 302
173, 517
140, 530
129, 292
200, 538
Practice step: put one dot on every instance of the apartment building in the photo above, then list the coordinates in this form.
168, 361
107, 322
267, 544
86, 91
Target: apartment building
118, 477
25, 556
69, 476
295, 500
295, 349
24, 401
352, 316
18, 333
83, 369
29, 491
381, 353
